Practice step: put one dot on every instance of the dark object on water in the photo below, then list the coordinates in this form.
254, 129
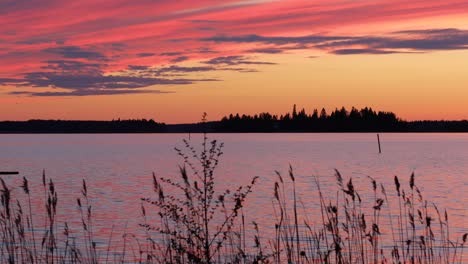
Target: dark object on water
378, 141
9, 172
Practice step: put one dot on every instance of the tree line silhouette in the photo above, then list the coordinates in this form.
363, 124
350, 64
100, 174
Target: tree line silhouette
339, 120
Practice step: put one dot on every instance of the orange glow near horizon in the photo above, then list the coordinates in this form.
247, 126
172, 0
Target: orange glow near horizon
172, 61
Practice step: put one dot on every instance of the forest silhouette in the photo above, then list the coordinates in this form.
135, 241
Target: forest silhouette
339, 120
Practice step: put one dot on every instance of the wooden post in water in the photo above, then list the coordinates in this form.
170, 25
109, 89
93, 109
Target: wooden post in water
378, 141
9, 173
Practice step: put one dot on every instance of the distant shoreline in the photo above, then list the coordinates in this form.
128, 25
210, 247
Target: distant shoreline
151, 127
338, 121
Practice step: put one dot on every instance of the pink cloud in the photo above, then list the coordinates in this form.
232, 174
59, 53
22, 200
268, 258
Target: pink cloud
116, 33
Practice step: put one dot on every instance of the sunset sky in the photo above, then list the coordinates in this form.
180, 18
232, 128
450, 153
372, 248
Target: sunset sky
173, 60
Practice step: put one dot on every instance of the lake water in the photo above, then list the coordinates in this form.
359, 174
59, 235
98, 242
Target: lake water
118, 169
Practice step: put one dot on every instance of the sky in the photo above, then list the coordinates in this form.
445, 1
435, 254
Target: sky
173, 60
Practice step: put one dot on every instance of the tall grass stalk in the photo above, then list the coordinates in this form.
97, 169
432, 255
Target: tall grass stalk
198, 221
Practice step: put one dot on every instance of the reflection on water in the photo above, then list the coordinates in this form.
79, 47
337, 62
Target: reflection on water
118, 170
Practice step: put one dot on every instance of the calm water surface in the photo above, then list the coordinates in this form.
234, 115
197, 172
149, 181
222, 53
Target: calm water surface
118, 169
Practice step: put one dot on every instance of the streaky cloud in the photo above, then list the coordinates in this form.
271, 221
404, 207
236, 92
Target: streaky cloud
409, 40
170, 54
82, 79
361, 51
73, 66
310, 39
437, 31
89, 92
137, 67
41, 40
146, 54
75, 52
46, 79
267, 50
180, 59
392, 42
183, 69
235, 60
